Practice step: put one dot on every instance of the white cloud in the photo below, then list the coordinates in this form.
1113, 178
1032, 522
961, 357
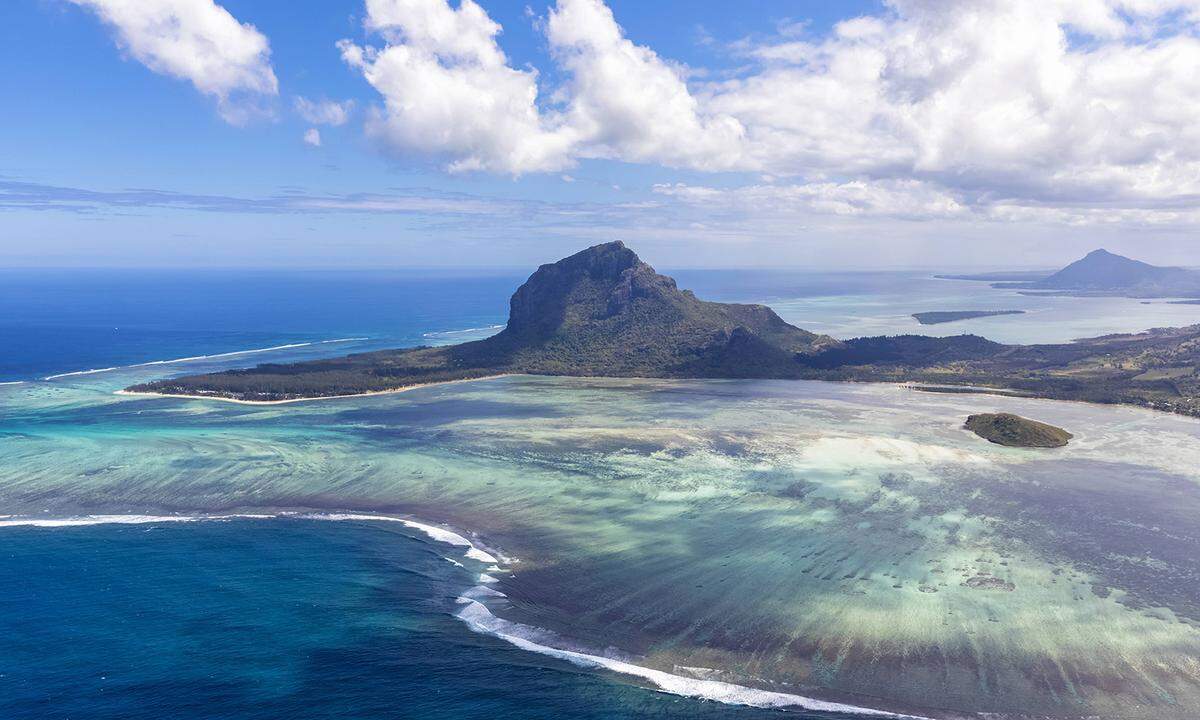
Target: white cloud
198, 41
448, 89
1020, 98
627, 103
324, 112
981, 103
312, 136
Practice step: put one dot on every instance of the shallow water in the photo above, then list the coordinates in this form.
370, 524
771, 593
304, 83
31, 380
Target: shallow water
849, 542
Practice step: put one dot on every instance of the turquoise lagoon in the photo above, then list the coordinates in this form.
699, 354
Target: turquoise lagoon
849, 543
808, 547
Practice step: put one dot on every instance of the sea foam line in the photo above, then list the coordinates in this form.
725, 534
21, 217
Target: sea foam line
433, 532
235, 353
461, 332
84, 520
477, 617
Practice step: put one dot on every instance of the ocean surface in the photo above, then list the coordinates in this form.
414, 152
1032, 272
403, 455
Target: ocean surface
544, 548
65, 321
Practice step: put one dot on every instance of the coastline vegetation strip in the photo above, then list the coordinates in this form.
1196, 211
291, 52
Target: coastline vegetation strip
287, 401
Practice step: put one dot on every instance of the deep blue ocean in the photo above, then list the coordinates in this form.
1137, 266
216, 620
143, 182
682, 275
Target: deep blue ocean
270, 619
60, 321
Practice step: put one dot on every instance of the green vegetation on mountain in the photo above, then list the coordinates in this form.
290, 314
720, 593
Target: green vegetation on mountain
1113, 369
600, 312
1015, 431
604, 312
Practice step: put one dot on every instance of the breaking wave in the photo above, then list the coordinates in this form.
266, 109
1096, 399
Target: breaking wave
193, 358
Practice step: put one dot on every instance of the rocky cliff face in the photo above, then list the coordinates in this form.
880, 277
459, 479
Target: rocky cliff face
599, 282
604, 311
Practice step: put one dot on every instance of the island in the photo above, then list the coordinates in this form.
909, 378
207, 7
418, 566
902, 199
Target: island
1015, 431
604, 312
1100, 273
946, 316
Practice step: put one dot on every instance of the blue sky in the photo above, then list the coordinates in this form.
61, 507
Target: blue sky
729, 134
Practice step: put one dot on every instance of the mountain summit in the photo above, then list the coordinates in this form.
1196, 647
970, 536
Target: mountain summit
599, 312
1101, 272
604, 311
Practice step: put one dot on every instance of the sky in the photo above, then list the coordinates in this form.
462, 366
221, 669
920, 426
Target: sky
758, 133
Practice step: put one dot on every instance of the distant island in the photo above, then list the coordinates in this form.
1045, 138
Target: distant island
937, 318
1015, 431
604, 312
1100, 273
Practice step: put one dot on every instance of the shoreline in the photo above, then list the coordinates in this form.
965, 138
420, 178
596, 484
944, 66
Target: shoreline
915, 386
287, 401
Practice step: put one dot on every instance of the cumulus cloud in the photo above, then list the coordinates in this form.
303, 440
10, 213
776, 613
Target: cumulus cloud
198, 41
627, 103
1001, 95
312, 136
448, 89
324, 112
981, 103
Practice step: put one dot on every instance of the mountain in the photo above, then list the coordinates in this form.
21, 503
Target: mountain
1099, 273
1103, 271
603, 312
1108, 274
599, 312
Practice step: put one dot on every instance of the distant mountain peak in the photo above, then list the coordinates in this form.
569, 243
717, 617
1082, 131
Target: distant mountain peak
1101, 270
